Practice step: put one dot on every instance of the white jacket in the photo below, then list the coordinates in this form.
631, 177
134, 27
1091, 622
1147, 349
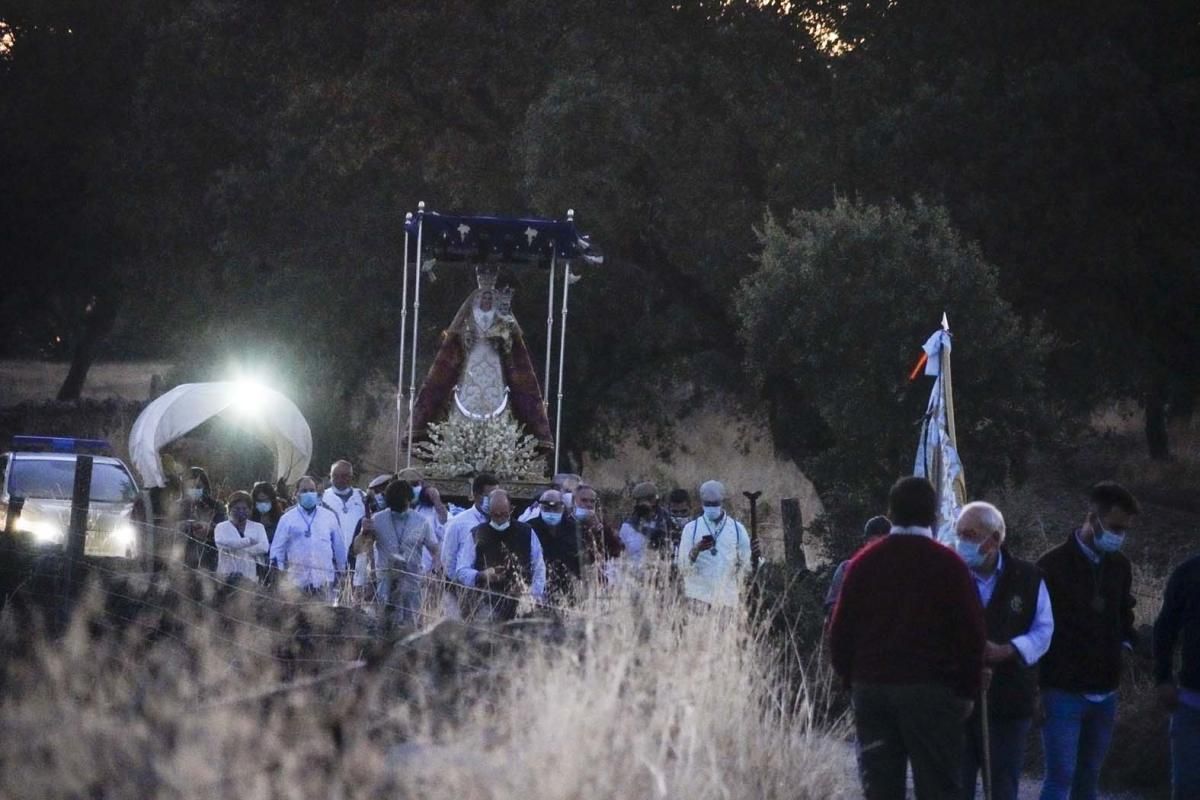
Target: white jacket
236, 552
714, 578
309, 545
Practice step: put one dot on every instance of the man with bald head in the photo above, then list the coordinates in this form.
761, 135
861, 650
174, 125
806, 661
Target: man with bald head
1020, 624
502, 558
347, 503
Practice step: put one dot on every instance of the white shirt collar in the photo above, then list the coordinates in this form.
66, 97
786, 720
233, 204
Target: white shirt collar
912, 530
1091, 554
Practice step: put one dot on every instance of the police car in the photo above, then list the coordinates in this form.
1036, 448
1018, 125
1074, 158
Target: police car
41, 469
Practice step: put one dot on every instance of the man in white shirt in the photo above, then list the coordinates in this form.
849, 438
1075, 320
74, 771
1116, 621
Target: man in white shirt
345, 501
714, 552
1020, 625
308, 543
457, 535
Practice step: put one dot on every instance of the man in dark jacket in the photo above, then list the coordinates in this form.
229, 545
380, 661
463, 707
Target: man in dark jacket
1090, 584
1020, 624
908, 636
1180, 616
561, 546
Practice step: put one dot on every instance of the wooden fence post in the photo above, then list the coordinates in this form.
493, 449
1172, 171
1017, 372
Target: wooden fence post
793, 534
81, 496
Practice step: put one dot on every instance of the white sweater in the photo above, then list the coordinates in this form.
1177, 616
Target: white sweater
237, 552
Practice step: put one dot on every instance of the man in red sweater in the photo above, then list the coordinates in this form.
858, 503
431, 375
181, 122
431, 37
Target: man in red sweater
908, 636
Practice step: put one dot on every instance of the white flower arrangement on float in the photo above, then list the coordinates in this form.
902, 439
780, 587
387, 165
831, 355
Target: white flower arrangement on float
497, 445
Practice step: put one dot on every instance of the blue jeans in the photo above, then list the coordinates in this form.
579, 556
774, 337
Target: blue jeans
1185, 753
1076, 738
1006, 738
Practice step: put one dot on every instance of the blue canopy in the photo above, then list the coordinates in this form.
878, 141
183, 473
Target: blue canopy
452, 237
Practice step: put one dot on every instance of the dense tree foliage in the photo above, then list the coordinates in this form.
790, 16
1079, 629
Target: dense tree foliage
223, 181
832, 321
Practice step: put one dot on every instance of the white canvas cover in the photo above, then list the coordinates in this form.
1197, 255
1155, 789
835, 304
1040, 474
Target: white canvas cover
186, 407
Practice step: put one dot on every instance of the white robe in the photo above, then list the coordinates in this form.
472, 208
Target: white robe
348, 512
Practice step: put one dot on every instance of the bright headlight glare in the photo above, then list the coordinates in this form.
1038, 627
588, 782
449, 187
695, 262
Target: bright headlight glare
42, 532
124, 534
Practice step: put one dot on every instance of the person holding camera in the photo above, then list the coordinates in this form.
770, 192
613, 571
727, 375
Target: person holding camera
714, 552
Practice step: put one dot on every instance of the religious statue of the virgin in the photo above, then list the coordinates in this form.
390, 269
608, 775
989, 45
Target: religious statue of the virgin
482, 369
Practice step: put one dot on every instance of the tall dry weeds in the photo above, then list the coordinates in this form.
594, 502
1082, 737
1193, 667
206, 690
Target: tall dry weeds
178, 688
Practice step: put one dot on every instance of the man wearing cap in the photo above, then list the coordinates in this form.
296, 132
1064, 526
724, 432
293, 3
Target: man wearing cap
346, 502
561, 546
648, 528
875, 529
1020, 624
565, 483
362, 546
714, 552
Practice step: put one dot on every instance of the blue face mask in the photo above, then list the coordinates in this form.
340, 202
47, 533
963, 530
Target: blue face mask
501, 526
195, 492
263, 508
582, 513
1107, 541
969, 552
485, 505
308, 500
713, 513
552, 518
416, 492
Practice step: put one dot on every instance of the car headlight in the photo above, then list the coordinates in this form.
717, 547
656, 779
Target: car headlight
124, 535
42, 532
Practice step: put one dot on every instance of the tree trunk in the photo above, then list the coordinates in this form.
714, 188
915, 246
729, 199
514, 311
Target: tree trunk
98, 319
1156, 420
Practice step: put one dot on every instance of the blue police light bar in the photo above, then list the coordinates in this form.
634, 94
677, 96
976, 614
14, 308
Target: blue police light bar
61, 444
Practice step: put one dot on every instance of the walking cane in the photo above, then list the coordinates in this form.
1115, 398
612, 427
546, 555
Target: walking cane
987, 745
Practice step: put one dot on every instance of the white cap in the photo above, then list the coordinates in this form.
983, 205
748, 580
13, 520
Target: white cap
712, 491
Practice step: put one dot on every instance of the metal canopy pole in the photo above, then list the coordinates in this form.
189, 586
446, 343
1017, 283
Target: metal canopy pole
549, 325
562, 353
412, 383
403, 331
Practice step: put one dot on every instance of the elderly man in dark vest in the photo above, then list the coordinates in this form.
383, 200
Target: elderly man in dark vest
1020, 624
502, 559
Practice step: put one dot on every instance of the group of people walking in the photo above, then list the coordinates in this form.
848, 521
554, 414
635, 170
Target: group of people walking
389, 546
951, 653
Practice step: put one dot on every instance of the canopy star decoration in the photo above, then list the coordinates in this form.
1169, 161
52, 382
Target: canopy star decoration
454, 237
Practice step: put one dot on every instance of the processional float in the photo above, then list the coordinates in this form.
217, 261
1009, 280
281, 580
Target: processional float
484, 240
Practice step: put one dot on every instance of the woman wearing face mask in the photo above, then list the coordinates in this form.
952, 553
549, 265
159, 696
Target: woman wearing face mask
198, 513
427, 501
400, 536
241, 542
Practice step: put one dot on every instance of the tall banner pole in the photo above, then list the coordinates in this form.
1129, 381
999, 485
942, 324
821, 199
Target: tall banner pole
403, 331
562, 357
549, 325
412, 383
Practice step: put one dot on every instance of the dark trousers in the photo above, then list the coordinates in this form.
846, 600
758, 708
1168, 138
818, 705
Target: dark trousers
921, 724
1006, 740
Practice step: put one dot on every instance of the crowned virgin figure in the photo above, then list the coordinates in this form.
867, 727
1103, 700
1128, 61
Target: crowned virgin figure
482, 369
